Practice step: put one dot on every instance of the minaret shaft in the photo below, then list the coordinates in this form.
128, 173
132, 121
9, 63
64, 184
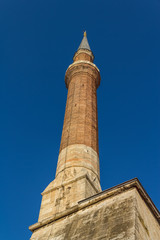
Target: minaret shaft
80, 122
80, 129
77, 175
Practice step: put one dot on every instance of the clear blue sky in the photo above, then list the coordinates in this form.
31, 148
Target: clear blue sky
37, 42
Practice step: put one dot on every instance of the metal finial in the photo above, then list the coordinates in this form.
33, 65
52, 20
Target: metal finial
85, 34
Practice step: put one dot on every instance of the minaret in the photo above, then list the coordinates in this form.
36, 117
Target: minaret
73, 205
77, 175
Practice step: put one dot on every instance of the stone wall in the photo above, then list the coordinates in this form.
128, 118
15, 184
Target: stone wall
147, 228
124, 212
58, 198
111, 219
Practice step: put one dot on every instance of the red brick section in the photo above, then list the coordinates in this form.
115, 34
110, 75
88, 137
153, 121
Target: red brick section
81, 121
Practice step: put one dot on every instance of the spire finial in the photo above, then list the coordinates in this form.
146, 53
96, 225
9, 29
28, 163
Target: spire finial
84, 44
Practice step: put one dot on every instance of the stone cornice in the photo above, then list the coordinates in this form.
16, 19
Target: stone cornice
133, 183
83, 61
69, 182
83, 51
78, 67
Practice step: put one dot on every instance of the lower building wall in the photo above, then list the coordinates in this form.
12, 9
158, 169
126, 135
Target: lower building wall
147, 228
112, 218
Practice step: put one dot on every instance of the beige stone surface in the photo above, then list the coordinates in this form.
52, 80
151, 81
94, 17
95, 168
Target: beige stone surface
146, 225
124, 212
62, 195
80, 156
112, 218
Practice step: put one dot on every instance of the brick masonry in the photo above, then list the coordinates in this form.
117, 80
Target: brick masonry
81, 121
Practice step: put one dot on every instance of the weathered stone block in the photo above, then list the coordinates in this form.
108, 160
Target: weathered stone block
124, 212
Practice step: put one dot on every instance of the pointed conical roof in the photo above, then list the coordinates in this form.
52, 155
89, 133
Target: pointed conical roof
84, 44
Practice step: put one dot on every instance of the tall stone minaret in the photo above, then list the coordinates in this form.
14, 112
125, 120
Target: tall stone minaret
73, 205
77, 175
